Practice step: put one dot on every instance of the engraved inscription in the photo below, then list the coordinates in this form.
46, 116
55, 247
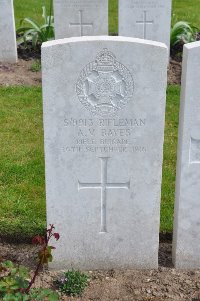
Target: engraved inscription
151, 4
145, 22
103, 186
78, 3
194, 151
105, 135
81, 24
105, 86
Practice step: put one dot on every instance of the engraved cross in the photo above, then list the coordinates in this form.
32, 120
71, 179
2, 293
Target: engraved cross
144, 22
103, 186
81, 24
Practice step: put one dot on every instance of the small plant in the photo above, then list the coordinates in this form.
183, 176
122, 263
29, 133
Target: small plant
183, 32
14, 280
73, 283
34, 33
36, 66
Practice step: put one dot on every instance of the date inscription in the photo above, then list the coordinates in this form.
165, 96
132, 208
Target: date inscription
104, 135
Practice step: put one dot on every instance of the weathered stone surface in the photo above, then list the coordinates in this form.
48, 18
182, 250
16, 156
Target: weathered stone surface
75, 18
8, 47
104, 108
186, 241
145, 19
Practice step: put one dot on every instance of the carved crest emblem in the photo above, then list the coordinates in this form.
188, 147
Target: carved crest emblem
105, 86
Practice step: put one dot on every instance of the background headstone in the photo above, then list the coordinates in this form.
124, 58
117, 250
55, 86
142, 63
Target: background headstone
186, 241
8, 45
104, 109
146, 19
75, 18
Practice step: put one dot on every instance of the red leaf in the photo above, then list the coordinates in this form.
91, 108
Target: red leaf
38, 240
57, 236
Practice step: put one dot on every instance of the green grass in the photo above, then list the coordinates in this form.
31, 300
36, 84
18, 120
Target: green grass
29, 8
169, 164
187, 10
113, 16
22, 195
36, 66
22, 185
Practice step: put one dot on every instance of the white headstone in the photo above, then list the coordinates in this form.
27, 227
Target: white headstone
76, 18
146, 19
186, 241
104, 108
8, 45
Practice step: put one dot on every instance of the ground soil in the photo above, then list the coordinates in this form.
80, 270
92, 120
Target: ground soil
174, 72
20, 73
166, 283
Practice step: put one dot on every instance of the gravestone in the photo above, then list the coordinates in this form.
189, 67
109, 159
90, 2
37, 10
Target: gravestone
146, 19
186, 241
8, 45
104, 108
75, 18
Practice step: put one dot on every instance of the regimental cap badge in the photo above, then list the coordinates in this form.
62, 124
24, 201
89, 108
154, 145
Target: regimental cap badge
105, 60
105, 86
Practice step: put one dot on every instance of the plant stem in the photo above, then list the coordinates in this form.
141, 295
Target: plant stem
47, 239
34, 276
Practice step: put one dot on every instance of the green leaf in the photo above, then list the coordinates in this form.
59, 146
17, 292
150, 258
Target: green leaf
182, 32
53, 297
33, 23
13, 271
44, 14
73, 283
8, 264
22, 29
34, 32
34, 40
